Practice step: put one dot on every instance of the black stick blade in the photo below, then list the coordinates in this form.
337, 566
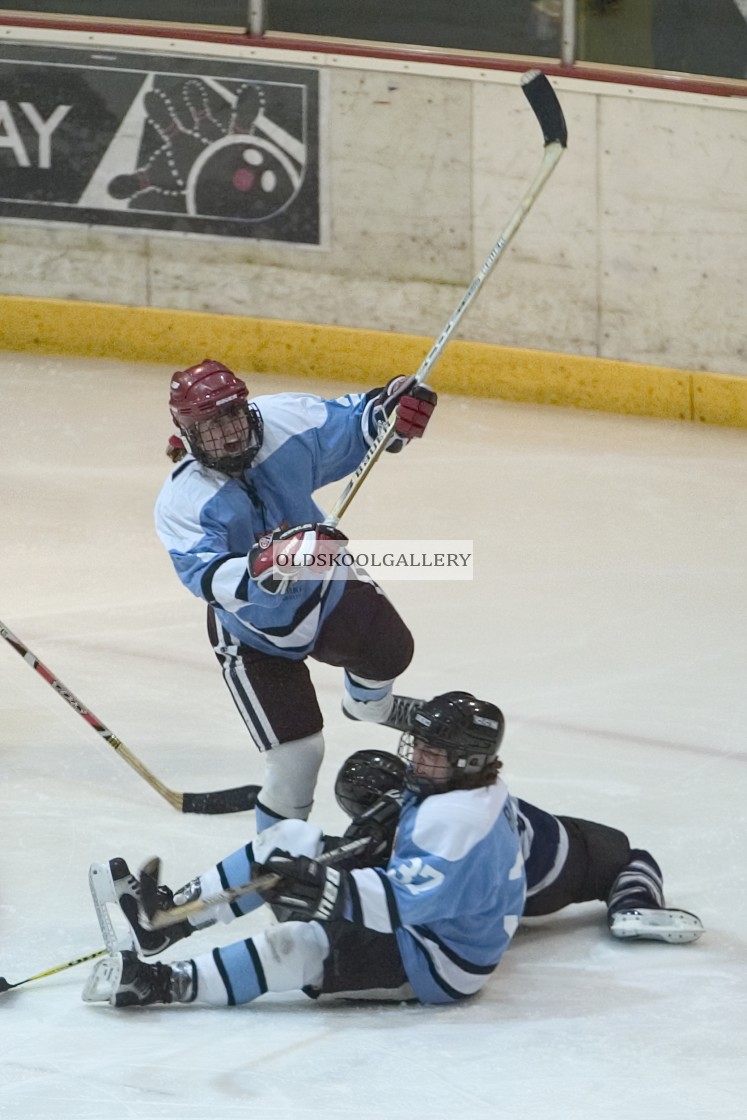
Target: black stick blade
221, 800
541, 96
150, 876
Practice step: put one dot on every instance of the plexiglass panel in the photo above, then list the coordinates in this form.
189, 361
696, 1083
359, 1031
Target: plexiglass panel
527, 27
228, 13
690, 36
707, 37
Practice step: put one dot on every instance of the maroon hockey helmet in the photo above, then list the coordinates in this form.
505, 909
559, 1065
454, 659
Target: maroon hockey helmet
209, 405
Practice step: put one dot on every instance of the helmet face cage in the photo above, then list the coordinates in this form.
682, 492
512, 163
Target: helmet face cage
453, 744
366, 776
228, 440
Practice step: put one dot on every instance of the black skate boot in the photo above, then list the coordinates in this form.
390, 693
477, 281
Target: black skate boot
399, 717
115, 883
125, 981
636, 909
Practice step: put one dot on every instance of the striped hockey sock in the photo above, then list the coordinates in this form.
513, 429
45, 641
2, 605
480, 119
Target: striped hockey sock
639, 885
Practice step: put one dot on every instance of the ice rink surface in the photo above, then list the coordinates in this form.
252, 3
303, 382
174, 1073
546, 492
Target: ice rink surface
606, 617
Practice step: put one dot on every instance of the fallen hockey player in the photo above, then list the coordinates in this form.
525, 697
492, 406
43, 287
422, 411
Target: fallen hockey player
446, 864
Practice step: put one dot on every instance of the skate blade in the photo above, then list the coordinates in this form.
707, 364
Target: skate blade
103, 983
676, 927
104, 895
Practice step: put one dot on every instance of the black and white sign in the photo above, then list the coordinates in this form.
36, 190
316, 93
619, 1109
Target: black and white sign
119, 138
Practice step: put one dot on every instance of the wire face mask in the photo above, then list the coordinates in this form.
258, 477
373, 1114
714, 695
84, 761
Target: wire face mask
229, 440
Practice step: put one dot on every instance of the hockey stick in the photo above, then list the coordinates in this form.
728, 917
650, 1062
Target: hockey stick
548, 112
6, 987
218, 801
150, 872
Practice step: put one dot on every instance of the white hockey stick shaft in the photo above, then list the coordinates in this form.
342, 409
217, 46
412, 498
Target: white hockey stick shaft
162, 918
546, 106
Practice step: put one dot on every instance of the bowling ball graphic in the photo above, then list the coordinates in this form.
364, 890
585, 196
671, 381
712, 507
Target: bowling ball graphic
248, 178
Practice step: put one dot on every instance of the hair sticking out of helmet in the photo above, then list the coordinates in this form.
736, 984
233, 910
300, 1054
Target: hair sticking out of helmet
366, 776
209, 405
453, 744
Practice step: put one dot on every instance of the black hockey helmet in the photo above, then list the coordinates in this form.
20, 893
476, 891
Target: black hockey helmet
452, 743
364, 777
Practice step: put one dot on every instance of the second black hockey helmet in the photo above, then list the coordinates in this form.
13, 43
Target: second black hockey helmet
364, 777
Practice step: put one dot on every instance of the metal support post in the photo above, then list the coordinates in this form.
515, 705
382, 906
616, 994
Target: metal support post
257, 18
568, 33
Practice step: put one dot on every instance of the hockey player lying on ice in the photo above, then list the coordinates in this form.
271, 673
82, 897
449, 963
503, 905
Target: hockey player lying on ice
452, 863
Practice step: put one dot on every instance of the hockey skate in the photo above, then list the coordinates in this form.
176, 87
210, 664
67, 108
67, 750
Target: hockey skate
636, 908
399, 717
123, 980
674, 926
114, 884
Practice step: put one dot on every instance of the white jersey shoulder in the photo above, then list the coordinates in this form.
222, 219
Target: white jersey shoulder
451, 824
182, 496
286, 415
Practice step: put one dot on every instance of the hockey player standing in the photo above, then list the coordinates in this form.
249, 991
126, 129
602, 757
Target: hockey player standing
234, 515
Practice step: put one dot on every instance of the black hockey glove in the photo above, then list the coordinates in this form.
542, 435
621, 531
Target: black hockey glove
306, 887
378, 825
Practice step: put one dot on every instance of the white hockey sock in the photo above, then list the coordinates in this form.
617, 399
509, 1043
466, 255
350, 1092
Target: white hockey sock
283, 958
291, 771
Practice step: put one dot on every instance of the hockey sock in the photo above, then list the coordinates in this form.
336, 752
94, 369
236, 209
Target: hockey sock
291, 771
638, 886
282, 958
367, 700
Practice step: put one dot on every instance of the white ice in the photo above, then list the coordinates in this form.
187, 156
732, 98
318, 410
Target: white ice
606, 617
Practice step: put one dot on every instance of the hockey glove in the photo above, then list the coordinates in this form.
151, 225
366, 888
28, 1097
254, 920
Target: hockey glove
308, 888
282, 557
377, 825
413, 407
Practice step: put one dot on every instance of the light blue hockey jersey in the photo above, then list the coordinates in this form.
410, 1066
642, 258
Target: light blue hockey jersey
453, 891
208, 521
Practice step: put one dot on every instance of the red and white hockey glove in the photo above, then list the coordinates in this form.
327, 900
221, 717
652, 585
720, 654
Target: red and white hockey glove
282, 557
413, 409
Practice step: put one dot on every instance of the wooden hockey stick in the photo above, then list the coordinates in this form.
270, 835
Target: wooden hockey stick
218, 801
150, 872
548, 112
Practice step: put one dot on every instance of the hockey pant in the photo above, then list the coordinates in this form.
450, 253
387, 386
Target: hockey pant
567, 859
275, 696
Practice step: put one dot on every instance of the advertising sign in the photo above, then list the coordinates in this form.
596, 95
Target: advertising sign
165, 142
